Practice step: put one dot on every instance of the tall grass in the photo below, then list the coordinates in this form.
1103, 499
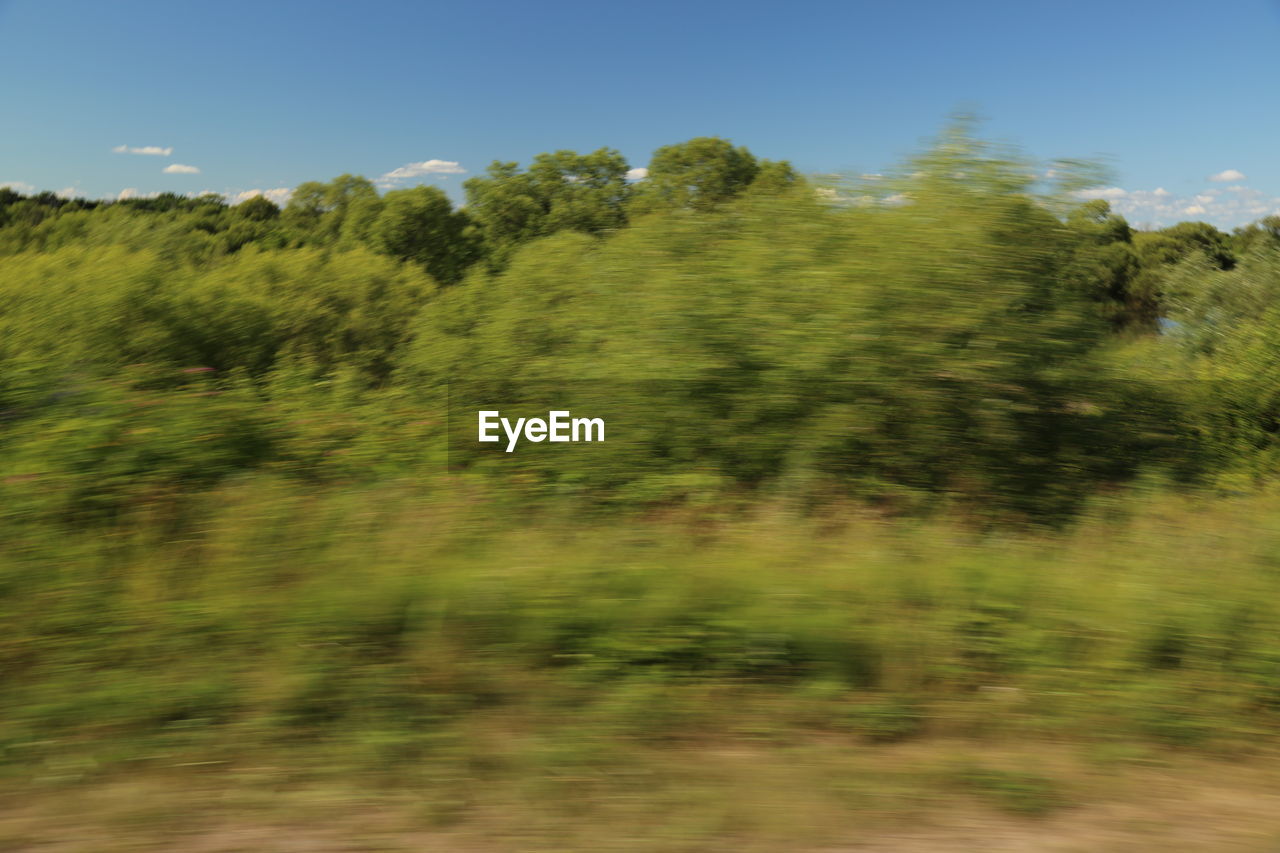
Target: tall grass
384, 626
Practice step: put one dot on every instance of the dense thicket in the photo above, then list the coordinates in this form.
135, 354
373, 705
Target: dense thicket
948, 334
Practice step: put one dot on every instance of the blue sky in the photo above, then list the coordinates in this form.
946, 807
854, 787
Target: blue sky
263, 95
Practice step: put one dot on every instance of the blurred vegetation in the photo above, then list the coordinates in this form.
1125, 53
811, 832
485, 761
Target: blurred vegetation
943, 452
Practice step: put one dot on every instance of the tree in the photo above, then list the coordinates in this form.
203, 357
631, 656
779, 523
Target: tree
258, 209
1106, 269
1170, 245
774, 177
563, 191
700, 173
342, 208
584, 192
420, 225
896, 352
1098, 224
1264, 232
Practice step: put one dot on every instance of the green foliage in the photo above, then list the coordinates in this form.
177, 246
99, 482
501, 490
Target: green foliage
287, 612
105, 308
258, 209
420, 225
1227, 348
564, 191
896, 352
943, 336
1170, 245
343, 208
1263, 233
1015, 791
95, 448
1109, 271
700, 174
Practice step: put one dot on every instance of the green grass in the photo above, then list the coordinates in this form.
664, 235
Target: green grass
682, 668
384, 623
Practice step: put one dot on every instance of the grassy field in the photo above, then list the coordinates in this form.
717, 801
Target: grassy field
371, 665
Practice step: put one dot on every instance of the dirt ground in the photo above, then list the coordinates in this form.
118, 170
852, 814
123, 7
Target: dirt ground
1187, 804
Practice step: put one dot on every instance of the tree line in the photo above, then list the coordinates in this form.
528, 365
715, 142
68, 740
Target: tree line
952, 332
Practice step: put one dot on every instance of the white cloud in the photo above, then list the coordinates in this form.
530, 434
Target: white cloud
1226, 208
280, 196
152, 150
180, 169
18, 187
1228, 175
67, 192
1105, 192
417, 170
131, 192
834, 196
637, 174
